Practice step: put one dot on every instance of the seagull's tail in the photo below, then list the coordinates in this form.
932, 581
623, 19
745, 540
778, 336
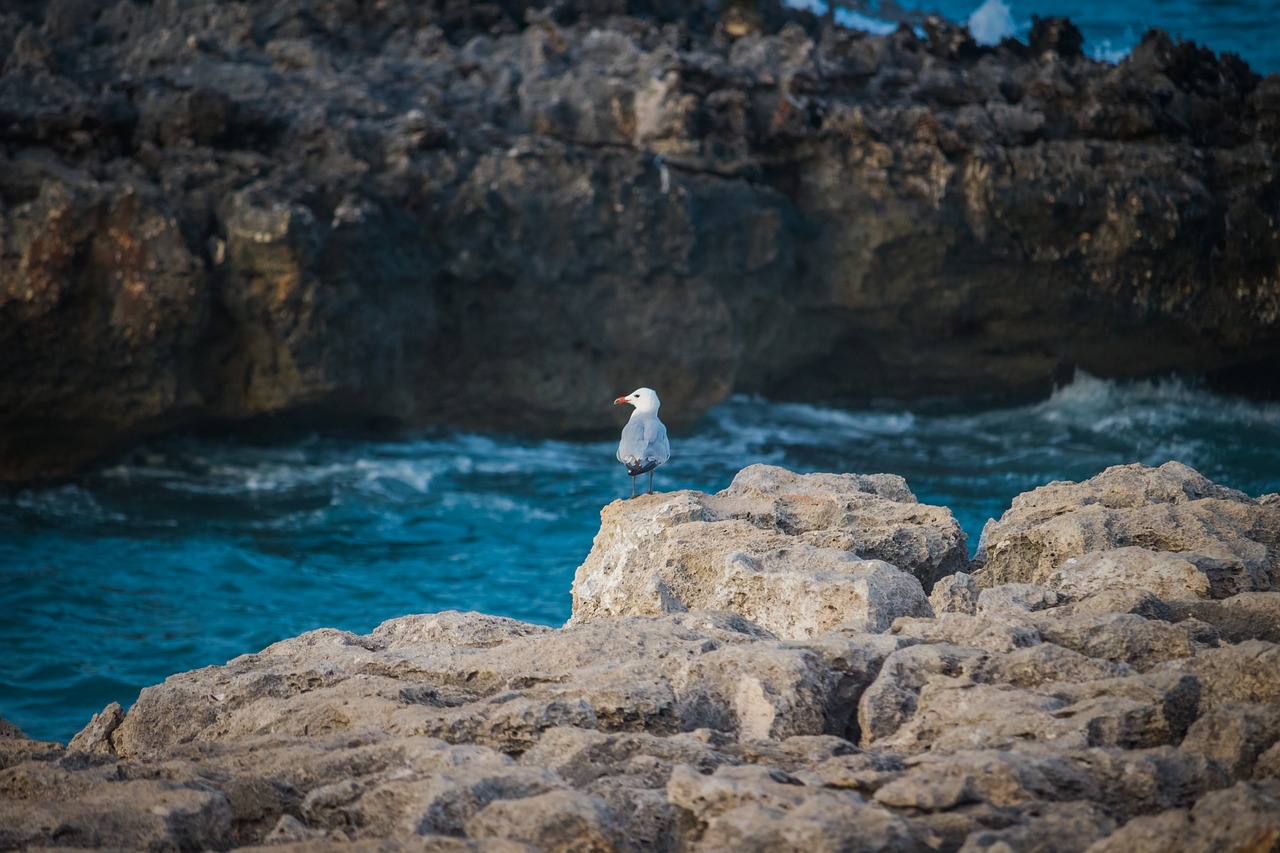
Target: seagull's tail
640, 466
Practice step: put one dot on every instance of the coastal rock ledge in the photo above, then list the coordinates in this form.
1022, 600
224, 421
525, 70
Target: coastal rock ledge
1105, 676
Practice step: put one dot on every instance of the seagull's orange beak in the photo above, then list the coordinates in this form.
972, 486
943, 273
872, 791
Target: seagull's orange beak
620, 400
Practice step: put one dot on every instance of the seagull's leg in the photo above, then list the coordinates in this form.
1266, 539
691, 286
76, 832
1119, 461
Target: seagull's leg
633, 485
651, 481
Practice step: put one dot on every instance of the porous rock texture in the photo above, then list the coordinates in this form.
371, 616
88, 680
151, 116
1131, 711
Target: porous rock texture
487, 214
1017, 719
1168, 530
862, 545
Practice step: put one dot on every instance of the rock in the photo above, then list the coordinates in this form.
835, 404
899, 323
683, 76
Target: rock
1248, 673
123, 815
251, 214
979, 632
96, 737
1136, 601
953, 714
505, 693
1268, 764
1049, 828
1161, 573
1014, 597
752, 808
1246, 616
1235, 734
771, 539
1233, 540
558, 820
892, 698
1120, 637
1132, 781
1002, 778
9, 731
1242, 817
954, 593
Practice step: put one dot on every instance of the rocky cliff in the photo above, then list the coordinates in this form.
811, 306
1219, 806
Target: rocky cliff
504, 214
1105, 678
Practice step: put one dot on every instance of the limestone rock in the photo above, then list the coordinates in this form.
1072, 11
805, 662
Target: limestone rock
1165, 575
1014, 597
1235, 734
96, 737
954, 593
1246, 616
1242, 817
124, 815
1230, 538
1248, 672
558, 820
751, 808
1003, 633
1120, 637
1055, 828
846, 548
523, 680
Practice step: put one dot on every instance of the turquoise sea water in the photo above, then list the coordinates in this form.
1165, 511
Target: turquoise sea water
1249, 28
188, 553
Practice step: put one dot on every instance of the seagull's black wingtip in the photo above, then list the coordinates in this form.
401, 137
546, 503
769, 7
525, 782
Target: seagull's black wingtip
635, 469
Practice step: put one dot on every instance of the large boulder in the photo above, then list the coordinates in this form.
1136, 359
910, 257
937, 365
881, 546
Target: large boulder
797, 554
1158, 529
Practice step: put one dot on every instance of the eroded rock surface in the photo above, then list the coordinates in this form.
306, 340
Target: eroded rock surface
1016, 718
797, 554
1166, 530
484, 215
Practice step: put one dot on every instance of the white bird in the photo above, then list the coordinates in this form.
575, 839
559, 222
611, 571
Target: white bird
644, 444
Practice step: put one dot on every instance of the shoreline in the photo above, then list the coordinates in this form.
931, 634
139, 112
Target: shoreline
758, 667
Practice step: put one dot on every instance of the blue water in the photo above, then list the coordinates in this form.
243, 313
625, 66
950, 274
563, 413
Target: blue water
189, 552
1249, 28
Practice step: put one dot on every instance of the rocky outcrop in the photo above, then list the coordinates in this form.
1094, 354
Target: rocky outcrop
485, 215
1016, 718
1167, 530
796, 554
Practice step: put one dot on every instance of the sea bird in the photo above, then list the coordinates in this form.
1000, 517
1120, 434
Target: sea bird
644, 444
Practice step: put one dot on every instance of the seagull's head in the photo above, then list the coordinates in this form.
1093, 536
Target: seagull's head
644, 399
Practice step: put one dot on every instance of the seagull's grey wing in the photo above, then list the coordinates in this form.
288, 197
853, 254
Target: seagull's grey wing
659, 448
631, 447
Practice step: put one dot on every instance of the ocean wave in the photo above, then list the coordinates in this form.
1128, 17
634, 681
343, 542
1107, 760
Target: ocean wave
992, 22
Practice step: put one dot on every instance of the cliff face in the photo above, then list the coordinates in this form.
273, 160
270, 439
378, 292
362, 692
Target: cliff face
425, 214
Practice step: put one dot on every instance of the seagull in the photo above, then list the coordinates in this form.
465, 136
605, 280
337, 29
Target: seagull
644, 444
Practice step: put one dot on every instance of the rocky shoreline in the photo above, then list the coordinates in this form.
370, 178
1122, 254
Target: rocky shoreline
482, 215
799, 662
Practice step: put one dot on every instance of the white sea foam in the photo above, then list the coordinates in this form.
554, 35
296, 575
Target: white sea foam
857, 21
1154, 403
847, 18
68, 501
991, 22
1105, 51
